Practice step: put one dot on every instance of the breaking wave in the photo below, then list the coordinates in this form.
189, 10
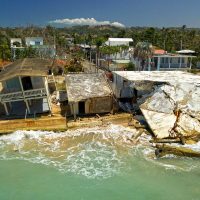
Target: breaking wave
99, 152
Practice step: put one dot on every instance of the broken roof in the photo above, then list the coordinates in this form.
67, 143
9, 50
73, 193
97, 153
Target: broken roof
85, 86
26, 67
159, 76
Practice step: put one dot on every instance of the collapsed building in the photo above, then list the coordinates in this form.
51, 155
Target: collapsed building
24, 87
170, 101
88, 94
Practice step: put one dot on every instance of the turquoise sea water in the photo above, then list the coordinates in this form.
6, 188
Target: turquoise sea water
92, 164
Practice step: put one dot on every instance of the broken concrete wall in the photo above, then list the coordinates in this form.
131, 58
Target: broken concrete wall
172, 109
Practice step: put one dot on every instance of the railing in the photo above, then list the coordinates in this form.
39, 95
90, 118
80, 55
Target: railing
28, 94
11, 96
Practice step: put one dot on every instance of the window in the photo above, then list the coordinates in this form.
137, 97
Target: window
37, 42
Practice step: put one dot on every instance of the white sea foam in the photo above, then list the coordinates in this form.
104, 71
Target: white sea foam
89, 152
99, 152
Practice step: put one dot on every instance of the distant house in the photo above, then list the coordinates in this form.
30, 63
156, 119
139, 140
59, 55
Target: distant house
120, 59
124, 54
163, 61
37, 43
34, 41
88, 94
15, 42
170, 62
119, 41
24, 87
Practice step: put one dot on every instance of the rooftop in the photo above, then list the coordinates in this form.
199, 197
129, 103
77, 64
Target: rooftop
120, 40
26, 67
85, 86
159, 76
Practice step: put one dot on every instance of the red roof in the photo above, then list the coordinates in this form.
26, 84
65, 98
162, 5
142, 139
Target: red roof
159, 51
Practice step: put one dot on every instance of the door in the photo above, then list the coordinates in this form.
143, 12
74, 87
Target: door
27, 84
81, 106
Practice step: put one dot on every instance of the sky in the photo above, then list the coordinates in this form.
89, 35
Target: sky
151, 13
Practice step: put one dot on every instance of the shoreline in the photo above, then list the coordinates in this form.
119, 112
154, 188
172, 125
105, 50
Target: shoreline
61, 124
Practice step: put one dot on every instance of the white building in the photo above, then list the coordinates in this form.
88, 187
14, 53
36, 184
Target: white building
34, 41
121, 58
119, 41
15, 42
163, 61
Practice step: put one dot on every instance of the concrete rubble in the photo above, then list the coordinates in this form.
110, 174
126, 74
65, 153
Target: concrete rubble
171, 105
160, 109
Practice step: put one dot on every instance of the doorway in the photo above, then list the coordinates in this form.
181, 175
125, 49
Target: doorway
81, 106
27, 84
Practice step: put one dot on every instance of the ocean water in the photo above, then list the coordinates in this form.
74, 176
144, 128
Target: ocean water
92, 164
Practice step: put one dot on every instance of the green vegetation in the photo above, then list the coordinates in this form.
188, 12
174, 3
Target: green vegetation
130, 67
170, 39
143, 52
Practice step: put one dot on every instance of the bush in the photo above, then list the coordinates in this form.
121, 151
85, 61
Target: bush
130, 67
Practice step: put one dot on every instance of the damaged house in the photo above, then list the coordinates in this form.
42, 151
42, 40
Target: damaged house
24, 87
88, 94
170, 101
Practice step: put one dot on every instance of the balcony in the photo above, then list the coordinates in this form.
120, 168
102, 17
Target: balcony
20, 96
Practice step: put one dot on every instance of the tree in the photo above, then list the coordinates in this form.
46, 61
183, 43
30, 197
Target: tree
143, 52
109, 50
5, 53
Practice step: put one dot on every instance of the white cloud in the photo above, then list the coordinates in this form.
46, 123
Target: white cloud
85, 21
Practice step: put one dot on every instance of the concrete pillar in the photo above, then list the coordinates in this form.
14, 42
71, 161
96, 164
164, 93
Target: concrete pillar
20, 81
27, 106
191, 63
48, 95
149, 64
170, 62
6, 109
158, 64
180, 62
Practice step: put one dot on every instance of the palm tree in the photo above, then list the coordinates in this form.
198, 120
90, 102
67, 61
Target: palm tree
98, 42
182, 34
143, 52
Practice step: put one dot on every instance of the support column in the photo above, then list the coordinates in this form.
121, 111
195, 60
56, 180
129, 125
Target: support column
186, 62
48, 95
27, 106
6, 109
149, 64
20, 81
158, 64
180, 62
191, 63
170, 62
